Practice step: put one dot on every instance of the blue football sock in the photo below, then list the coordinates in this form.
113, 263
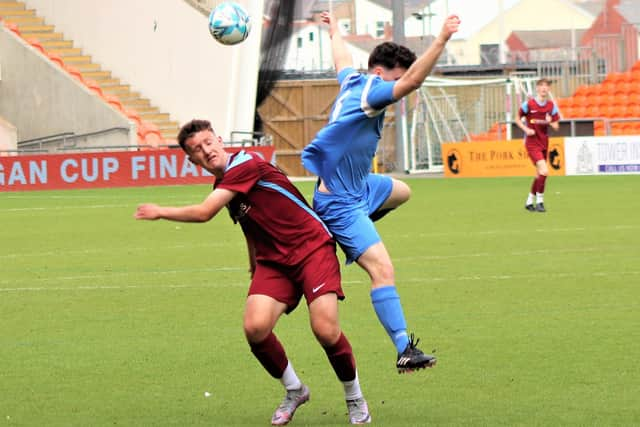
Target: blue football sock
386, 303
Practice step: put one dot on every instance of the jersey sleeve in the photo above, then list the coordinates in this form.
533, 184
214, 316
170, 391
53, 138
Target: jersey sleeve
241, 174
344, 73
524, 109
555, 113
380, 94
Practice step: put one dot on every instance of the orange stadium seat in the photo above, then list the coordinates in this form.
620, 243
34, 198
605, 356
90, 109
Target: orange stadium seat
583, 90
95, 87
75, 73
37, 45
633, 98
627, 128
633, 110
55, 58
614, 77
13, 28
562, 103
592, 111
133, 116
114, 101
582, 100
608, 88
636, 67
149, 135
580, 112
623, 87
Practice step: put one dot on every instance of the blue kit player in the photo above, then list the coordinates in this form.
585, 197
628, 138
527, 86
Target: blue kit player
348, 197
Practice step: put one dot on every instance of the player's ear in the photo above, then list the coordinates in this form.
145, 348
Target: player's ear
377, 70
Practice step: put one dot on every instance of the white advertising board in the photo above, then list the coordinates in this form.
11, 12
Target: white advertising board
610, 155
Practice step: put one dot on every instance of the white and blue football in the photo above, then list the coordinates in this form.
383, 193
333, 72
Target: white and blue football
229, 23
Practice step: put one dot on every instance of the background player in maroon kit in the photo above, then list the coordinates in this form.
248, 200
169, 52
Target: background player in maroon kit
291, 254
534, 118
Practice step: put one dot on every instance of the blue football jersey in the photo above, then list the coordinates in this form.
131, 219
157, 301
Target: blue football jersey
342, 151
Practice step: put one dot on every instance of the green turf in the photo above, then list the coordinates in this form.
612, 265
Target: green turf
105, 320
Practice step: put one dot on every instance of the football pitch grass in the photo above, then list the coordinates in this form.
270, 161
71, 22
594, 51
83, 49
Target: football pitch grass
535, 318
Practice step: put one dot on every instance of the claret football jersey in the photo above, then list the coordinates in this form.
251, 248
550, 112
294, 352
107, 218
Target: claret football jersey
271, 211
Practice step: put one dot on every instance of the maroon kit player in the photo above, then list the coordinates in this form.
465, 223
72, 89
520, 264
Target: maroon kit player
291, 254
534, 118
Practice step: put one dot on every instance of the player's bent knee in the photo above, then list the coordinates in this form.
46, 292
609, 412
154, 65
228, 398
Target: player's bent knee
327, 333
256, 330
382, 273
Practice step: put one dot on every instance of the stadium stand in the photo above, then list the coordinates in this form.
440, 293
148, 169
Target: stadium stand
617, 98
31, 28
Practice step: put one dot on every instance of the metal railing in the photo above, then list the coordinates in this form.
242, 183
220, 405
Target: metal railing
68, 140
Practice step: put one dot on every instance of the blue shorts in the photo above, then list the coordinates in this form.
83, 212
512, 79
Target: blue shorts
347, 216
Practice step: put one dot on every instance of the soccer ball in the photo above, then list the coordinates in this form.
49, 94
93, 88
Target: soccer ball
229, 23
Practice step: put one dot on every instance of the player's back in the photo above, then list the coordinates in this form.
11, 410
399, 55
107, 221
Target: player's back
342, 151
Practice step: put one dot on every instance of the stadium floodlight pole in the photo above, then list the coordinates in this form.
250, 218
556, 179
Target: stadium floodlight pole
400, 110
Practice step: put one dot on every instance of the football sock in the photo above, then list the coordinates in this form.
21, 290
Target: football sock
539, 197
386, 303
530, 199
290, 379
534, 186
341, 358
542, 179
271, 355
352, 389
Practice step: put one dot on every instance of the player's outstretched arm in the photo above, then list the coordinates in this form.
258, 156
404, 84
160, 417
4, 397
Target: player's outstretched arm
341, 56
420, 69
202, 212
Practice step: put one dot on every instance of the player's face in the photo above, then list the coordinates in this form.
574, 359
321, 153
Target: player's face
390, 75
542, 90
205, 149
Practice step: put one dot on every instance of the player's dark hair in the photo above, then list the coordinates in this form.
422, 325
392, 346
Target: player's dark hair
543, 81
391, 55
191, 128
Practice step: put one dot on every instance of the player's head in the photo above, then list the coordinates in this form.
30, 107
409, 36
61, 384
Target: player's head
203, 146
542, 87
390, 60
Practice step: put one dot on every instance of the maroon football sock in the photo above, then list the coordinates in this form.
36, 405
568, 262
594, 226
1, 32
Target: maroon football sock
271, 355
541, 181
534, 186
341, 358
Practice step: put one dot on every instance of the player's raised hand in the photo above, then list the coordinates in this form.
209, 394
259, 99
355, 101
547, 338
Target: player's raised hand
328, 19
450, 26
147, 211
548, 118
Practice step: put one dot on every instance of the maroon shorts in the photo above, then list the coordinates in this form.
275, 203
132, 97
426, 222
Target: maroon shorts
317, 275
536, 152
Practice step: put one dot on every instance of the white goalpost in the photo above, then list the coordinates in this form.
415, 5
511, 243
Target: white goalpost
452, 110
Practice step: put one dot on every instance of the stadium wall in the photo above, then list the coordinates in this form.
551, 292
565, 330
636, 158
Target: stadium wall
8, 136
41, 99
164, 50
